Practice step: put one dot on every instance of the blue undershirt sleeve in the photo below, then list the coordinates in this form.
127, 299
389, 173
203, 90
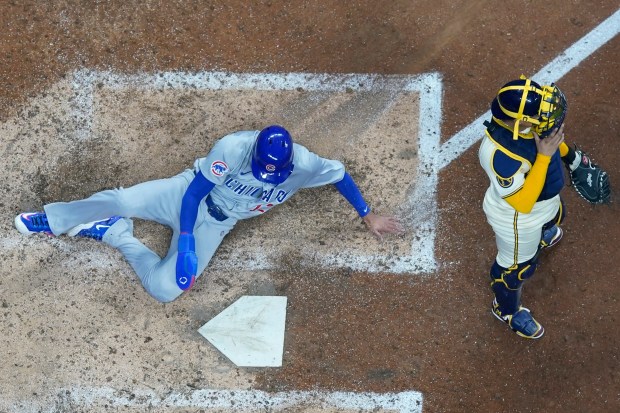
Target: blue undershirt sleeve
195, 193
350, 191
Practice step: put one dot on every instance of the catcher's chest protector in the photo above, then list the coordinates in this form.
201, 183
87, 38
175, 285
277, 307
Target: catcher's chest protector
526, 149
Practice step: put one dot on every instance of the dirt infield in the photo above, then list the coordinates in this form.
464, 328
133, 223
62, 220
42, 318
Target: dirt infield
76, 320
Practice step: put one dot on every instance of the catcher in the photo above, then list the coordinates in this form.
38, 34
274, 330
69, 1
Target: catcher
522, 153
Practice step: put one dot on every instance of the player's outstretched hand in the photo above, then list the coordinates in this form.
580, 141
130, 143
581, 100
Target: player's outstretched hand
550, 144
379, 225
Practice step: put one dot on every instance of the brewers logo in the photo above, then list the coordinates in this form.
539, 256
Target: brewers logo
505, 182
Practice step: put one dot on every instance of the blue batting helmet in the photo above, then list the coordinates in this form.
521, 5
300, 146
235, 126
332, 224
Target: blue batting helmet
272, 158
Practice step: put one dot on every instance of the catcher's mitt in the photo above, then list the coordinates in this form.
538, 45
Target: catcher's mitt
590, 181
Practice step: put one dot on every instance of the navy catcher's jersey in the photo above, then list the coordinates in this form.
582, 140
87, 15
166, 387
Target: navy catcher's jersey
242, 196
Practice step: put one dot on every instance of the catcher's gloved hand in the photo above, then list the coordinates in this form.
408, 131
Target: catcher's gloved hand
589, 180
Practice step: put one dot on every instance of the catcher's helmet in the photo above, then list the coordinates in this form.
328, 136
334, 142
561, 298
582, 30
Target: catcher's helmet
526, 101
272, 158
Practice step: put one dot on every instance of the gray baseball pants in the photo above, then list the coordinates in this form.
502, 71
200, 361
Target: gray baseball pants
159, 201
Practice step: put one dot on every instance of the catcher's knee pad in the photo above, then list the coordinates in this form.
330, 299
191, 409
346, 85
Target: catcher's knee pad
507, 283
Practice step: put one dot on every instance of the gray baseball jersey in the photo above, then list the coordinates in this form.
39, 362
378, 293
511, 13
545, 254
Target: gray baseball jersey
242, 196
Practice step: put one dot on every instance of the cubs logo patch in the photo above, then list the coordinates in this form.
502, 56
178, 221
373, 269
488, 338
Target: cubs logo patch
270, 168
219, 168
505, 182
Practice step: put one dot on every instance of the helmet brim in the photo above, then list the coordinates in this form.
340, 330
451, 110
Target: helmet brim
274, 178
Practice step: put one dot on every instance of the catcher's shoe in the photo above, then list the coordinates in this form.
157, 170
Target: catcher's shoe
551, 237
520, 322
95, 230
32, 223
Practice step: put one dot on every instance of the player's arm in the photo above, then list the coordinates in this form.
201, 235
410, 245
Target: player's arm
524, 199
198, 189
351, 192
377, 224
326, 171
187, 261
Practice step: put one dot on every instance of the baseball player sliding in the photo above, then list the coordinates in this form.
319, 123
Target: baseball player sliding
522, 153
244, 175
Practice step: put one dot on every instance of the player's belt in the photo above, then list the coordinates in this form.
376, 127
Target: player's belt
214, 210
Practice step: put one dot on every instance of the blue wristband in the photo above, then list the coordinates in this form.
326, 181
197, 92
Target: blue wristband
187, 242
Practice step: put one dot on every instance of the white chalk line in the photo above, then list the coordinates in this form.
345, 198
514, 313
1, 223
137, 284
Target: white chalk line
422, 214
250, 400
231, 400
552, 72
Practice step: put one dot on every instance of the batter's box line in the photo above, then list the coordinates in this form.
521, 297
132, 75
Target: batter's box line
237, 400
421, 203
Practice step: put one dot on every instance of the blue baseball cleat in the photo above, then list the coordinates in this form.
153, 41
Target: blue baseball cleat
32, 223
95, 230
551, 237
520, 322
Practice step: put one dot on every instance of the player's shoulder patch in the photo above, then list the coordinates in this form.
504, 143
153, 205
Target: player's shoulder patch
505, 168
505, 165
219, 168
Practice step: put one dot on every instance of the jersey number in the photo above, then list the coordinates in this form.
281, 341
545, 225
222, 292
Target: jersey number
262, 208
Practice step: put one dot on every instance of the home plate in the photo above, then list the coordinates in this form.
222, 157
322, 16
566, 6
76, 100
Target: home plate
250, 332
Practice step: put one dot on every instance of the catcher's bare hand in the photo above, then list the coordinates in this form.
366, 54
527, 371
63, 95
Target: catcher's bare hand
379, 225
550, 144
